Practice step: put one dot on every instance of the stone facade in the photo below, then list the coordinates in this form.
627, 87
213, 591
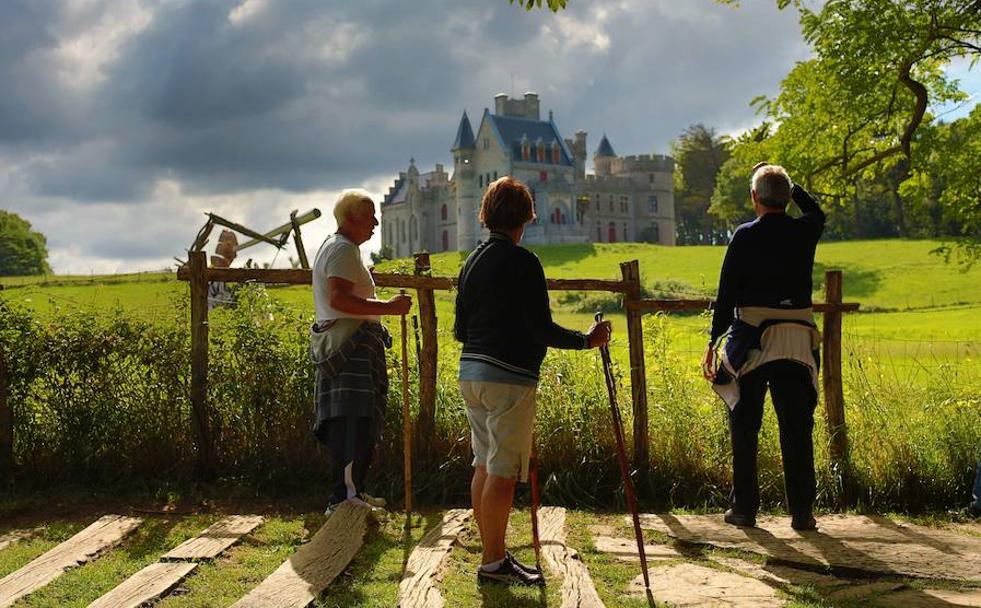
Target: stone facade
628, 198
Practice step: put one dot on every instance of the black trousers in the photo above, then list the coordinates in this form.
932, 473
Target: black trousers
794, 400
350, 441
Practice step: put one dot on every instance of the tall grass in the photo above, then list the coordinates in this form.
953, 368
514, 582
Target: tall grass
104, 400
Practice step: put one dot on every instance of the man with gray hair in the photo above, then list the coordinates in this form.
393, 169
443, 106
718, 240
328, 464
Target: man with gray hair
764, 309
347, 344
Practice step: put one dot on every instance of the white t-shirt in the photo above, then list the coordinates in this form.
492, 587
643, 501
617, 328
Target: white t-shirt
340, 257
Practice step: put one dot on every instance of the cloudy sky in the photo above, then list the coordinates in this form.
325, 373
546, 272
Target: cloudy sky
122, 121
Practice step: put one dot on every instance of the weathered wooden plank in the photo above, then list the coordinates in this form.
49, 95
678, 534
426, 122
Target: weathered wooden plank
146, 585
199, 365
419, 588
638, 376
834, 400
857, 543
692, 305
305, 575
626, 549
101, 535
215, 539
426, 420
14, 536
299, 276
577, 587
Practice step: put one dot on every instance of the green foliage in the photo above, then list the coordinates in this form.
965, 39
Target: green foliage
854, 123
553, 5
22, 251
699, 154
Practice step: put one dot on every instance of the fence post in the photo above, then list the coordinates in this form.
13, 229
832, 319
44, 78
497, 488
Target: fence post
198, 266
834, 400
638, 374
426, 423
6, 426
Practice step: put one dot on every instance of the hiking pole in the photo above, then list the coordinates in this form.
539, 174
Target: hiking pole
535, 498
406, 420
628, 484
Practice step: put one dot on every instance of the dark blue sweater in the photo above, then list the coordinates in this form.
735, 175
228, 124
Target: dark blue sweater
502, 309
769, 262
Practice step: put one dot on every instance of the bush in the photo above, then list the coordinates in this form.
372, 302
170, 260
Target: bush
104, 400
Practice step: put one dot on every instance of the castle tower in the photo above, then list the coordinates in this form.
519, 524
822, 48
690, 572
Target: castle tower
463, 150
603, 157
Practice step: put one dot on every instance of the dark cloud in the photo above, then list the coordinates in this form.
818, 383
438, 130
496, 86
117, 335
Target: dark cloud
228, 97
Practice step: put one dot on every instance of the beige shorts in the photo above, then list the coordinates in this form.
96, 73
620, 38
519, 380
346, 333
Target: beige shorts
502, 419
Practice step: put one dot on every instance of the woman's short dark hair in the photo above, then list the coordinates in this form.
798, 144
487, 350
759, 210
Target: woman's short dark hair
507, 205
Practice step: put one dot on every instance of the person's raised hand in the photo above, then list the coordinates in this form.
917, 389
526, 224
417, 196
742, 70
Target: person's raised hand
599, 334
400, 305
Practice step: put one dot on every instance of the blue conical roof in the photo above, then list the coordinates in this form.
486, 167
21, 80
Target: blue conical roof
464, 134
605, 149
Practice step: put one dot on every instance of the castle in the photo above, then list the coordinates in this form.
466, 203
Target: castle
628, 198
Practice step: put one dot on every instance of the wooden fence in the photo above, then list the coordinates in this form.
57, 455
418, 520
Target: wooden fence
199, 275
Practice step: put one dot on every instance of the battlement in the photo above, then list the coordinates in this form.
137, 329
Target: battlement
642, 163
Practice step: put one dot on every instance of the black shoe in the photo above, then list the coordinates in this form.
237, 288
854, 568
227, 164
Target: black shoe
529, 569
739, 519
509, 573
803, 521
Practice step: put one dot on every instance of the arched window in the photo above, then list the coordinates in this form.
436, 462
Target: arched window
557, 216
652, 204
655, 232
556, 153
540, 150
402, 230
495, 176
446, 239
612, 233
525, 148
599, 232
443, 213
625, 237
480, 179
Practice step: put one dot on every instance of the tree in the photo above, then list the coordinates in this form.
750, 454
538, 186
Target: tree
554, 5
22, 251
699, 154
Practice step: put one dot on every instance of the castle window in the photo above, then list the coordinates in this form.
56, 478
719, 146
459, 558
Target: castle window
540, 151
625, 237
495, 176
543, 176
611, 203
402, 230
612, 233
624, 204
487, 179
655, 233
446, 239
556, 153
486, 143
651, 176
443, 213
599, 232
525, 148
480, 179
652, 204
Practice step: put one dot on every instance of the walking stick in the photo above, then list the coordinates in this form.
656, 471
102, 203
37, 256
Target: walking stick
406, 420
628, 485
535, 498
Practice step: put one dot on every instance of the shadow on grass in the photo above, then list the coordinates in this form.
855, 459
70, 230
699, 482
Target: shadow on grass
856, 282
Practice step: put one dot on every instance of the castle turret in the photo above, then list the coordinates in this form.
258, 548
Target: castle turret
464, 147
578, 149
603, 157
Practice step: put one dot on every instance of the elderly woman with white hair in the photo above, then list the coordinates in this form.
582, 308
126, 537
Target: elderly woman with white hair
347, 343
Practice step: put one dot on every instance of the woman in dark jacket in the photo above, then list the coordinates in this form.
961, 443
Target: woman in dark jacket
504, 322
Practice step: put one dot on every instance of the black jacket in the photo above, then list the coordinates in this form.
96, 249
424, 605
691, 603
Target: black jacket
769, 262
502, 309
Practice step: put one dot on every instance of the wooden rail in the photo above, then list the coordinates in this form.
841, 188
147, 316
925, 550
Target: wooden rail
426, 285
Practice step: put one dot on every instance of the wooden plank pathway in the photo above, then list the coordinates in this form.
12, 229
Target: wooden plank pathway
578, 590
215, 539
101, 535
14, 536
871, 544
146, 585
419, 587
315, 565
